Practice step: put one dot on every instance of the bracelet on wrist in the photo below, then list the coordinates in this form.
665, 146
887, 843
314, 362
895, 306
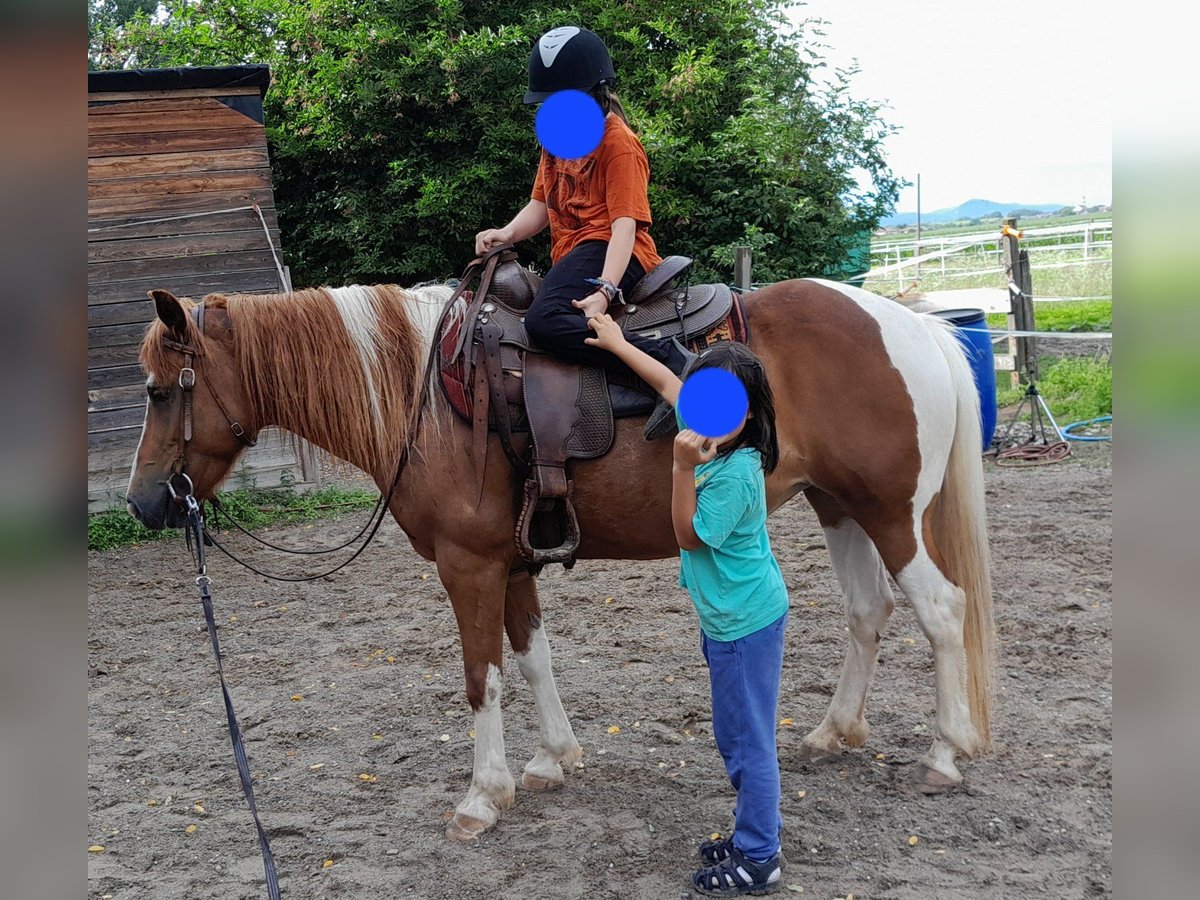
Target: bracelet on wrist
606, 287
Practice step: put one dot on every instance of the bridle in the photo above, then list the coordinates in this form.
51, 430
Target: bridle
187, 382
181, 488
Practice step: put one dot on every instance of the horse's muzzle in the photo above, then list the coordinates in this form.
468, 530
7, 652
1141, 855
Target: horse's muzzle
158, 514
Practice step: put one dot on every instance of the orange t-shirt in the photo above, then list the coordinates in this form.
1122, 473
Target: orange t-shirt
584, 195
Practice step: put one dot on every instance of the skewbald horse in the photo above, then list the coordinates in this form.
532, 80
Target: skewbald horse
878, 425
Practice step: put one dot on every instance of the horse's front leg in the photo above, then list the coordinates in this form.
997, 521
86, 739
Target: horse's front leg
526, 632
476, 585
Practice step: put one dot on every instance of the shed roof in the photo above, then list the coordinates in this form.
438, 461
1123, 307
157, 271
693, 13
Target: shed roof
185, 77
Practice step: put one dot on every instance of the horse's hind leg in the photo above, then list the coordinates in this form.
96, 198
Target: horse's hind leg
940, 606
869, 603
527, 634
476, 587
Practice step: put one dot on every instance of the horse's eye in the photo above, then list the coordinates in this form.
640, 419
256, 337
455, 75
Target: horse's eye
157, 394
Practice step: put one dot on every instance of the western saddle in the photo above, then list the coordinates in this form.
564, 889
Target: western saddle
497, 380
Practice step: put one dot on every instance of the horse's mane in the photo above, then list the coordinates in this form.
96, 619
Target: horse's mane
342, 366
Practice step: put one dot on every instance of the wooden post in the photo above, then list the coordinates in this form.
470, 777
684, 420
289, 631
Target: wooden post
1020, 298
741, 268
917, 249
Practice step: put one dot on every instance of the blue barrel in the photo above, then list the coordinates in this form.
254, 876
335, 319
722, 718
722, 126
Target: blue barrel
970, 325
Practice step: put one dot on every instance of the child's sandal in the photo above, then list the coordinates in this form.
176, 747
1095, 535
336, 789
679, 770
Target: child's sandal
715, 851
737, 874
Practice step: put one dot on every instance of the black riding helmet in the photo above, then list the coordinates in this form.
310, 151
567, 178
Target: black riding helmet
567, 58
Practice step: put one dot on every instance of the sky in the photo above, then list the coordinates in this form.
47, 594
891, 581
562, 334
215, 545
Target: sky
1007, 101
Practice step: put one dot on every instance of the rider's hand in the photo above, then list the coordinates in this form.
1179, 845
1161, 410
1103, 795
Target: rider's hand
593, 304
489, 238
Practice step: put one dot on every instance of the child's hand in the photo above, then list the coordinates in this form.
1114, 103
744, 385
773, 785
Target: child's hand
692, 449
608, 333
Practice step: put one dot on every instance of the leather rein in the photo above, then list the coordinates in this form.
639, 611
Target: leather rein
182, 493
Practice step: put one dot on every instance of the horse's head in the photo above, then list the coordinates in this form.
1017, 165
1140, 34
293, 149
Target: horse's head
195, 407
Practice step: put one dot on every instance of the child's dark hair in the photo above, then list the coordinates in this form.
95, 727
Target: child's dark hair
605, 95
759, 432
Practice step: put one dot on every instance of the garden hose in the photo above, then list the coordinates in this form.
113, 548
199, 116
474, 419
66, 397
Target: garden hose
1087, 437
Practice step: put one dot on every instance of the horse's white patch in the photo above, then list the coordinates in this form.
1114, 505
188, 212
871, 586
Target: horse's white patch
917, 356
491, 783
557, 738
424, 307
355, 306
552, 43
138, 451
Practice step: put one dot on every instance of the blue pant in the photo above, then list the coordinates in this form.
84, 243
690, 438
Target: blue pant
745, 697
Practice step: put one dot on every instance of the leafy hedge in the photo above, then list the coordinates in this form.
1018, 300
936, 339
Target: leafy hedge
397, 129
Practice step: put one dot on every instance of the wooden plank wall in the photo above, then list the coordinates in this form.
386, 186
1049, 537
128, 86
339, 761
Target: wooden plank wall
157, 155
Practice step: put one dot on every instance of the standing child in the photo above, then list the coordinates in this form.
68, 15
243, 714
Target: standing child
719, 513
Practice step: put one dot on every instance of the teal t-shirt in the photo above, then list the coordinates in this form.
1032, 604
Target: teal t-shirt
733, 578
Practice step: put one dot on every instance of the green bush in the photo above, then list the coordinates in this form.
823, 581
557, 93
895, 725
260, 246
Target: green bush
397, 129
1075, 388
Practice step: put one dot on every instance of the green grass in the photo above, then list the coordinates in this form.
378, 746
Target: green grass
1075, 388
251, 507
1078, 315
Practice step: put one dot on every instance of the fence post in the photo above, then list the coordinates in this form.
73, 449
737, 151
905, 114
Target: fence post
741, 268
1020, 298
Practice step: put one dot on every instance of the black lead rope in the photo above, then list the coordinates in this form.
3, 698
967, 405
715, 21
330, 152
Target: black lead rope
195, 539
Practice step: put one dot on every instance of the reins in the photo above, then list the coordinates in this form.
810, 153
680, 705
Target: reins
195, 540
197, 535
188, 377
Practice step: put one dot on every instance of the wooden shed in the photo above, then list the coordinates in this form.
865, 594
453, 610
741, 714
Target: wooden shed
177, 160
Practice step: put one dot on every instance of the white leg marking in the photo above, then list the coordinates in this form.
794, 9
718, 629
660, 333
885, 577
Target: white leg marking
355, 306
492, 787
558, 744
869, 603
940, 609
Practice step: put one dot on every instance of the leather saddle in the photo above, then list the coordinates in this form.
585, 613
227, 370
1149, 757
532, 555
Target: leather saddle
498, 380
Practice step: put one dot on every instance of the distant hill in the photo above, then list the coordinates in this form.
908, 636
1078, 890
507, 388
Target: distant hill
972, 209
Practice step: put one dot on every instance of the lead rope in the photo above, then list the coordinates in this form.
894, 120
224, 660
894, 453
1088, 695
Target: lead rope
195, 540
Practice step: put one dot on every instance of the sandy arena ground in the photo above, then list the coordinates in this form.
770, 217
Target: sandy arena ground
360, 674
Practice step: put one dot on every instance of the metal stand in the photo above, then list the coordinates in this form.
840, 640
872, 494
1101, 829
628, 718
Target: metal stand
1039, 416
1040, 449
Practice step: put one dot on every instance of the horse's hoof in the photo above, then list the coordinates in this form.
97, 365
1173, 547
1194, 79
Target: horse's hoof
818, 755
466, 829
538, 783
931, 781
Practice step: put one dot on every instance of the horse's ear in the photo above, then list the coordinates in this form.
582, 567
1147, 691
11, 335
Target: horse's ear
170, 310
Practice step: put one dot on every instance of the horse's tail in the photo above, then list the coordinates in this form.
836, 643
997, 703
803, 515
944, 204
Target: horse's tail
960, 531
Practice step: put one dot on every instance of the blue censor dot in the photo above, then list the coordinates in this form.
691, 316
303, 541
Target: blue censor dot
570, 124
713, 402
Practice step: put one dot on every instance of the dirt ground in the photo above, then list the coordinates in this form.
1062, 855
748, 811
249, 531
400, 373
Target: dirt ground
360, 674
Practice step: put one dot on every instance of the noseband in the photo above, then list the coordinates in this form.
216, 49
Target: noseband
187, 382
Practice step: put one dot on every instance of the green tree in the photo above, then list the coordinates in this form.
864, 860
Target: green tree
105, 18
397, 129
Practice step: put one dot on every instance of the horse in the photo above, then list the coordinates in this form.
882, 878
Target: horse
878, 426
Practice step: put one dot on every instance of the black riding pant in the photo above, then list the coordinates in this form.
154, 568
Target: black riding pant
560, 328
